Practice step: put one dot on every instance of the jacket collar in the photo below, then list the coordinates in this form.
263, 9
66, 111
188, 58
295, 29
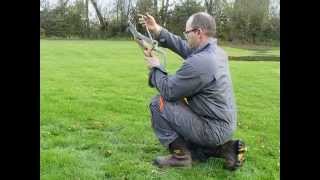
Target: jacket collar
211, 42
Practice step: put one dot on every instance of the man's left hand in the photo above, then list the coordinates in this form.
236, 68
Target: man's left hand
151, 59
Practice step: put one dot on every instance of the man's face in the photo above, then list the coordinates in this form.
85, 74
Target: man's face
191, 35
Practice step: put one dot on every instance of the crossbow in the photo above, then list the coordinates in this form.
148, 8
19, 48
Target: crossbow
146, 42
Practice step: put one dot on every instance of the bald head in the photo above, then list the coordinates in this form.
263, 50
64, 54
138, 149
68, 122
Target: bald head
204, 21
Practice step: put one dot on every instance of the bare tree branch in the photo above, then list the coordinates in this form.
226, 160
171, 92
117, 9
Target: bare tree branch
101, 20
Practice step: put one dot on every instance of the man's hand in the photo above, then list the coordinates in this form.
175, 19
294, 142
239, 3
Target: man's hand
150, 22
151, 59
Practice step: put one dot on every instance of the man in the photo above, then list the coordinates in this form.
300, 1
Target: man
195, 114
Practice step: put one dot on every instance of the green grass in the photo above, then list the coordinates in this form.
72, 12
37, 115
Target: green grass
95, 121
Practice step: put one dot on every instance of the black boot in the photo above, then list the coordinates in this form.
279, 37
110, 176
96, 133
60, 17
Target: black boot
232, 151
180, 156
197, 153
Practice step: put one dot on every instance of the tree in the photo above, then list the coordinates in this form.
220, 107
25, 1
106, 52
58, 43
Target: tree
251, 21
218, 9
209, 6
144, 6
44, 5
87, 23
65, 20
248, 18
181, 13
122, 11
103, 24
164, 12
155, 8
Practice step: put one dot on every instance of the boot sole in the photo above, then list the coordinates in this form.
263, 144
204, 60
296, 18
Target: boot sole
242, 149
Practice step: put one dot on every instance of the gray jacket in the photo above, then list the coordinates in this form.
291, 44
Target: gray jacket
203, 79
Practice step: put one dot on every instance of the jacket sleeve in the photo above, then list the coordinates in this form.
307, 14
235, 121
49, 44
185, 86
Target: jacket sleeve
184, 83
174, 43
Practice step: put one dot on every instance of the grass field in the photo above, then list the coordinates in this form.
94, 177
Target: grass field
95, 121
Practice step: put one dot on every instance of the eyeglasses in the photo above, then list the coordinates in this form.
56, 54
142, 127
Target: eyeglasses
185, 33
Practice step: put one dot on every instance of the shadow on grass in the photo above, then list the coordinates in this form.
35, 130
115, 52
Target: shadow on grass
255, 58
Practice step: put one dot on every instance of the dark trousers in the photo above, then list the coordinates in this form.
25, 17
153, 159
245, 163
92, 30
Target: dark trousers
175, 119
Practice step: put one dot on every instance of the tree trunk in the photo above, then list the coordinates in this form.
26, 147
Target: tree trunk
165, 13
117, 11
155, 8
102, 23
65, 3
161, 12
122, 12
87, 17
209, 6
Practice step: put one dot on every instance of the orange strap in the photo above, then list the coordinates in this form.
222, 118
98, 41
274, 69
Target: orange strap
161, 103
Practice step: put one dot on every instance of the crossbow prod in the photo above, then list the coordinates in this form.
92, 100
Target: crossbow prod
147, 42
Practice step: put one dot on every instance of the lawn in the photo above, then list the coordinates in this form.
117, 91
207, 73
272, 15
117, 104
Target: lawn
95, 120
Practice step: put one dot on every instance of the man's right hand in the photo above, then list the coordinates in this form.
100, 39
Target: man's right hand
150, 22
